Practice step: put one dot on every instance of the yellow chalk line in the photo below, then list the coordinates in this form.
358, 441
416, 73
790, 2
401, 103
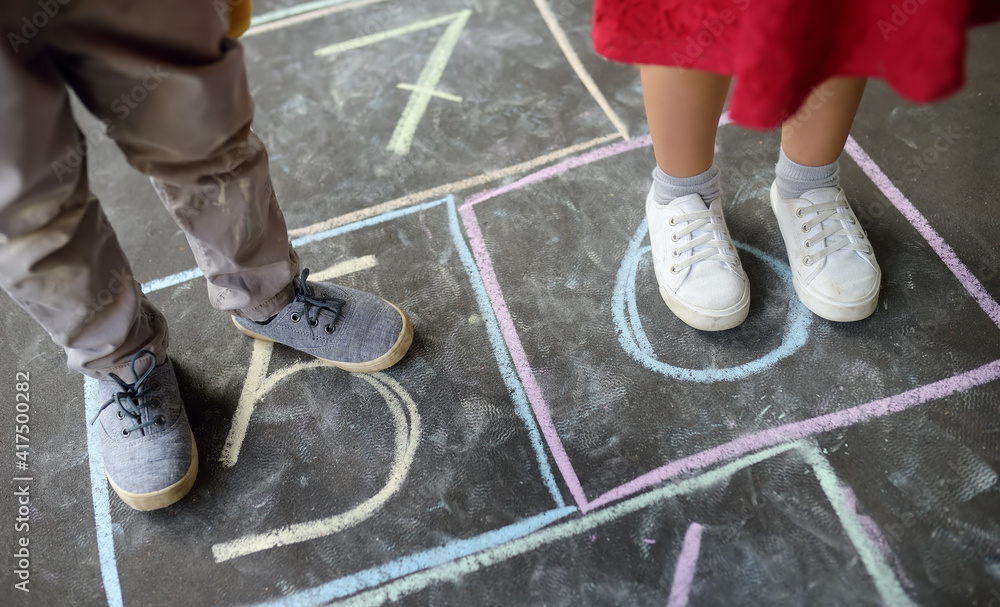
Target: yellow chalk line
442, 190
574, 60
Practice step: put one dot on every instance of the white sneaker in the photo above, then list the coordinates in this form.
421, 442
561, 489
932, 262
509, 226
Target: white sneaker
833, 264
696, 265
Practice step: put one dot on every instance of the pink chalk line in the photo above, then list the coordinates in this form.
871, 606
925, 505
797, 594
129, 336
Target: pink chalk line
745, 444
687, 563
795, 430
942, 248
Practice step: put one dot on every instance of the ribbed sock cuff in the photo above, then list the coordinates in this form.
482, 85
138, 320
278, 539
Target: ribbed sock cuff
795, 179
667, 188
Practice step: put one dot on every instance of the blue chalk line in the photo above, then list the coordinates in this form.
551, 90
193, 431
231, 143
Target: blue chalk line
633, 337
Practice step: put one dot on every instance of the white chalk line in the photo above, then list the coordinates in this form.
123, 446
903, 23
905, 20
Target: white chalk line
581, 72
406, 441
272, 21
345, 267
441, 94
430, 76
454, 570
886, 584
363, 41
442, 190
258, 383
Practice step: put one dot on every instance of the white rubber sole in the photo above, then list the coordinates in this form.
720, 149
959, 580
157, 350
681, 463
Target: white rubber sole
708, 320
163, 497
837, 311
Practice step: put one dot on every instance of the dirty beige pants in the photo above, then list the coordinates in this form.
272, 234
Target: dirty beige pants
172, 92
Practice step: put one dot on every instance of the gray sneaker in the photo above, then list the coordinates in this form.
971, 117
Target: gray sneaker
347, 328
149, 452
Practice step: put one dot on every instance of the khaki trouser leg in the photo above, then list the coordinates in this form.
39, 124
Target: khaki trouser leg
173, 93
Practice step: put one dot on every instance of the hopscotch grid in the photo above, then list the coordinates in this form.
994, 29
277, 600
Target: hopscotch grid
992, 370
403, 577
581, 72
885, 580
392, 587
99, 489
892, 404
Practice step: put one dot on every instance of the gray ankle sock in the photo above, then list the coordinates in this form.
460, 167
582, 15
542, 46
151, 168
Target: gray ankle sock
795, 179
667, 188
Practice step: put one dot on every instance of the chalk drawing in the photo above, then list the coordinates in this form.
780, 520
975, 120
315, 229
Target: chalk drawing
99, 496
687, 563
446, 96
430, 76
407, 437
455, 186
344, 268
503, 357
888, 586
920, 223
258, 383
633, 338
300, 13
963, 381
581, 72
428, 567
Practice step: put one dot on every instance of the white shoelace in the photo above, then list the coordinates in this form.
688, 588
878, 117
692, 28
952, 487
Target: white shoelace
710, 240
840, 230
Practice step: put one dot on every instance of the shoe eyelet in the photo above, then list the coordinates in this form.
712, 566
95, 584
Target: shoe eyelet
125, 432
674, 270
805, 230
672, 221
154, 385
798, 212
154, 404
313, 323
807, 261
160, 420
675, 253
120, 416
673, 237
807, 244
294, 316
330, 328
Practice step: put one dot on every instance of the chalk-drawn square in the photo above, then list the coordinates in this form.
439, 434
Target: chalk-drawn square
508, 96
323, 440
614, 420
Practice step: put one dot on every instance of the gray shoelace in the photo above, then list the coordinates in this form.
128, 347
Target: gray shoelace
305, 295
128, 398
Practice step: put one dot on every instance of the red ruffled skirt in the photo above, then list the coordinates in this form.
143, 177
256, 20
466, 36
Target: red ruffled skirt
778, 50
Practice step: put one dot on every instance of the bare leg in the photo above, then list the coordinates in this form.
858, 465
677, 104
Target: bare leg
833, 265
694, 260
816, 134
683, 109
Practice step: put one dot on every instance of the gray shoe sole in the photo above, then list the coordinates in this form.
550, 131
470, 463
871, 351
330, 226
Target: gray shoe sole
393, 356
162, 497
